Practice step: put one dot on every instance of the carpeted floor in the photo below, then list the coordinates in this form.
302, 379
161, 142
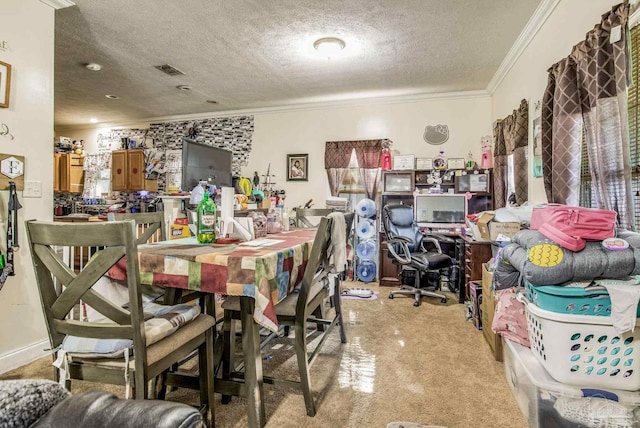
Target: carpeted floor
426, 365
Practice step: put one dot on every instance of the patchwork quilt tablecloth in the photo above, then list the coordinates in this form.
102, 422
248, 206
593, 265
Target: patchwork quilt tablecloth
267, 269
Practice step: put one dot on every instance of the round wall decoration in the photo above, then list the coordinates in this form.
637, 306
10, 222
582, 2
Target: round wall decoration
436, 135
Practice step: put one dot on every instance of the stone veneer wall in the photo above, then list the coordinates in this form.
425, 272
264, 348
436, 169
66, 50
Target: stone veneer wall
230, 133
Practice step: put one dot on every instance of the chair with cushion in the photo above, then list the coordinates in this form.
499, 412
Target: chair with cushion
130, 345
416, 253
298, 309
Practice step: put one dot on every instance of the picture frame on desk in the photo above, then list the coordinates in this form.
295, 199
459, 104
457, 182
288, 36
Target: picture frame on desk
403, 162
474, 183
424, 163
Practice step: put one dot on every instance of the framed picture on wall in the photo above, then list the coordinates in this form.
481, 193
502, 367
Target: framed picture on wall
424, 163
403, 162
5, 84
297, 167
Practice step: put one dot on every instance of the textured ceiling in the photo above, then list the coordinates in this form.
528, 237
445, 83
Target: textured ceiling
255, 53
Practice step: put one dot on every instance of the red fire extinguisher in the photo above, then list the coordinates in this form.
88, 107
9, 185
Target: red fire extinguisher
385, 162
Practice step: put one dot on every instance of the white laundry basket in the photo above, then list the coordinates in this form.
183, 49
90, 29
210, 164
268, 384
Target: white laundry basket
584, 350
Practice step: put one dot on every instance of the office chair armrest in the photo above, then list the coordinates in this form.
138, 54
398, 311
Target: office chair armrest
433, 240
402, 241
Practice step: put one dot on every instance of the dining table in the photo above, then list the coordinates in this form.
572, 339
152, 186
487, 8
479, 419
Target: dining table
262, 272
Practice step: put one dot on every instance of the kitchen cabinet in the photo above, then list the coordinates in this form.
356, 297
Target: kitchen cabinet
127, 172
68, 172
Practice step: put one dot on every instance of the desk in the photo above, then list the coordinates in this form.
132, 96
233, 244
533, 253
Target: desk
262, 275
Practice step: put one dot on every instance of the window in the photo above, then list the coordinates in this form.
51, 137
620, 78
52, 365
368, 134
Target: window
587, 195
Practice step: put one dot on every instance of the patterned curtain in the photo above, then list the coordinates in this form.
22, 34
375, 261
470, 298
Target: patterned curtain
337, 155
516, 138
499, 166
511, 135
562, 134
368, 155
592, 83
603, 77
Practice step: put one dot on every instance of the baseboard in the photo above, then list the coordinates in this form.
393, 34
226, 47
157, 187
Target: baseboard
21, 356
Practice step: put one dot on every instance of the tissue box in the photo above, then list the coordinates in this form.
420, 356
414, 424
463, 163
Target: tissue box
177, 231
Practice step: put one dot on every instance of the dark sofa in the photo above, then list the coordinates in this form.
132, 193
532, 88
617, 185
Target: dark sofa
43, 404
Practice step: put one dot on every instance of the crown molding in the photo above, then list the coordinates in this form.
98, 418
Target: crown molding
395, 99
58, 4
536, 22
634, 18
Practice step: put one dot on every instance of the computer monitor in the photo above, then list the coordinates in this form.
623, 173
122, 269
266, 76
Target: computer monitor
441, 210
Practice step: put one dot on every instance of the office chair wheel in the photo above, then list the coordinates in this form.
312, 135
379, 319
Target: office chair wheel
416, 304
443, 300
391, 295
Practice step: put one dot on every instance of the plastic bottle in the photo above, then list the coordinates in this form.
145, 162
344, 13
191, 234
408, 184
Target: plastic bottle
285, 219
206, 220
197, 193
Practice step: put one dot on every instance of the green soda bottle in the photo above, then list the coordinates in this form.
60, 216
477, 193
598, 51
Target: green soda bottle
206, 220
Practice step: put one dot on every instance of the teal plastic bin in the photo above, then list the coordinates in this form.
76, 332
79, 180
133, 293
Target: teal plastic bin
571, 300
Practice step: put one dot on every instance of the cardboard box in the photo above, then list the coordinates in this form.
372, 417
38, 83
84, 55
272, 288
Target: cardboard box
483, 225
487, 309
475, 295
177, 231
506, 228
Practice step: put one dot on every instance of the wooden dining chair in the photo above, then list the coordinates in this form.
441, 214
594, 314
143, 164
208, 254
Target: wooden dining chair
124, 327
299, 310
305, 217
150, 227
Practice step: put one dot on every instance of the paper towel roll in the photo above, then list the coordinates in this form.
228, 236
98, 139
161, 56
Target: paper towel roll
227, 199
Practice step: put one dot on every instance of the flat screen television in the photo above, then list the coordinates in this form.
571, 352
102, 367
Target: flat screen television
203, 162
441, 210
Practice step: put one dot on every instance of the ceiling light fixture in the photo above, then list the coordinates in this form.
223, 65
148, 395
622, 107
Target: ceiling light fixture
93, 120
93, 66
112, 97
183, 87
329, 46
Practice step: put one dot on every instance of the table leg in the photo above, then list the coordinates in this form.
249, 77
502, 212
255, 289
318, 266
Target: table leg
252, 363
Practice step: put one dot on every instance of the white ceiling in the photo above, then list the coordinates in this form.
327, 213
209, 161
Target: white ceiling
248, 54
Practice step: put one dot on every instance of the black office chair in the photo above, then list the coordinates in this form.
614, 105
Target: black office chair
407, 246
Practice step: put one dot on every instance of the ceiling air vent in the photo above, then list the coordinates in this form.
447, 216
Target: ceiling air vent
169, 69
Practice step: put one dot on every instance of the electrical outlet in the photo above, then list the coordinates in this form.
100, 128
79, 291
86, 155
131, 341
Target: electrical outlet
32, 189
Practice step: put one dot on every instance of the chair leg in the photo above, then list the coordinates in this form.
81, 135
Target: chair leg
337, 304
228, 352
140, 390
321, 313
207, 373
303, 366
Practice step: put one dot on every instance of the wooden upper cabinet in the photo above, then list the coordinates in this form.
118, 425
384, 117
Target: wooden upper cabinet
56, 172
135, 169
127, 172
76, 173
119, 170
68, 172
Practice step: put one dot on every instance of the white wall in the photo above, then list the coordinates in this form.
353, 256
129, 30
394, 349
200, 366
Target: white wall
306, 131
567, 25
28, 27
293, 131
